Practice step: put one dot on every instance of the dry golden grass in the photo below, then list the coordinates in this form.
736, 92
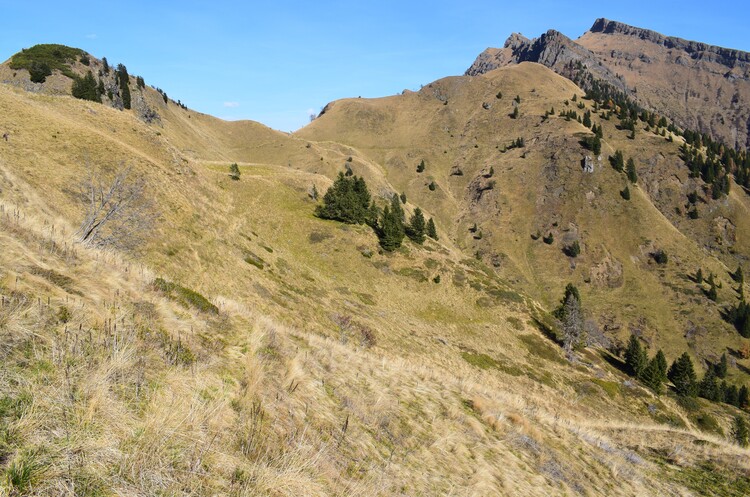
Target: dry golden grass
130, 393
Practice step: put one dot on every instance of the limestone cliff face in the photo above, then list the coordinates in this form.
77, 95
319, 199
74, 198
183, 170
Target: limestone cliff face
725, 56
699, 86
553, 49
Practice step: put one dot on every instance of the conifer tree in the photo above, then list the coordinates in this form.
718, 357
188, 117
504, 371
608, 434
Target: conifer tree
636, 358
587, 118
699, 276
431, 230
630, 170
420, 167
347, 200
740, 431
711, 293
662, 365
709, 388
570, 315
416, 228
743, 397
738, 276
234, 171
682, 375
391, 229
731, 395
397, 210
86, 88
721, 367
124, 79
651, 376
617, 160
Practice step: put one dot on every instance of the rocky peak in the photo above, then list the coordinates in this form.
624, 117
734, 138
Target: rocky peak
552, 49
516, 40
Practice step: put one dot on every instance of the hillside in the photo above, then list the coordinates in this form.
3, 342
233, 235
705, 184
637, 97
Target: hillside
246, 347
542, 189
699, 86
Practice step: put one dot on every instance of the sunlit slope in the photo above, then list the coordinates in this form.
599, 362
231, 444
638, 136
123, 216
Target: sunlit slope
328, 368
461, 129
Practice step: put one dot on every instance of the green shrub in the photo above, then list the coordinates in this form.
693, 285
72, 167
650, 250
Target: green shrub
660, 257
63, 314
482, 361
572, 250
256, 261
185, 296
708, 423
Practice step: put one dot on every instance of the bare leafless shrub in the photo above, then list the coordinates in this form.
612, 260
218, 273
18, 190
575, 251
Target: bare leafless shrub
118, 212
367, 336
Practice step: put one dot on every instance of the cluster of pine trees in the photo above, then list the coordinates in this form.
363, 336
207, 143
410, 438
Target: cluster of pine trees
87, 88
709, 159
710, 169
654, 374
618, 164
348, 200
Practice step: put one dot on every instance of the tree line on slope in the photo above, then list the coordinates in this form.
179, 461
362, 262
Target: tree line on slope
709, 159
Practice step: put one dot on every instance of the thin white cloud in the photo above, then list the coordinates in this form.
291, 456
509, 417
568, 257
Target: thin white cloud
91, 36
231, 105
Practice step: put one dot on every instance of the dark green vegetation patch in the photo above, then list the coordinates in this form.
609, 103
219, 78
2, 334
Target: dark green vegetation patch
185, 296
41, 60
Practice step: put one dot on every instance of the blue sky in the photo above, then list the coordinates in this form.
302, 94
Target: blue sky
276, 62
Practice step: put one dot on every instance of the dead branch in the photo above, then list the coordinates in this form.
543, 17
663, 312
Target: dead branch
118, 213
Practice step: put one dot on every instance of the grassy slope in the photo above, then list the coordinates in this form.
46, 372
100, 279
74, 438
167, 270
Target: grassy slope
542, 189
460, 392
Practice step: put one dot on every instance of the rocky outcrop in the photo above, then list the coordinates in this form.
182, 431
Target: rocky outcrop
553, 49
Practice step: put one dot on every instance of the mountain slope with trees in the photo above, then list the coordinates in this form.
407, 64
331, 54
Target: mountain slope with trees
379, 304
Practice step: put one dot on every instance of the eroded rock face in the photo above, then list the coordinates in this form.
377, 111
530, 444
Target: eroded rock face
553, 49
479, 186
607, 273
724, 231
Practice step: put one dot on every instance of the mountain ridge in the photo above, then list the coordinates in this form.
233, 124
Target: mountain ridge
701, 87
252, 348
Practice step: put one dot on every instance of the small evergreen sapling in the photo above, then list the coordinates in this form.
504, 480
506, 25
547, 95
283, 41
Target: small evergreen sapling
234, 172
431, 230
